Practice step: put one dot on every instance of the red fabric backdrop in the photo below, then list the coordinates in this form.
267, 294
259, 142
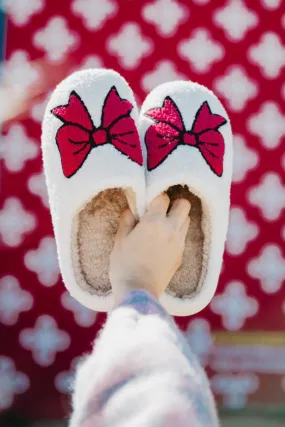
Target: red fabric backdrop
234, 47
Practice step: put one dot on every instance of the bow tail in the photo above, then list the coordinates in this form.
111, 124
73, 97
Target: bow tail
125, 137
212, 148
159, 144
74, 146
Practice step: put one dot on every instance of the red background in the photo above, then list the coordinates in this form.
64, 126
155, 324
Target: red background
42, 399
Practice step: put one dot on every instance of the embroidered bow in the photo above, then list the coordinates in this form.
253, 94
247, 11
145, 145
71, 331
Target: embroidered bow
168, 132
78, 135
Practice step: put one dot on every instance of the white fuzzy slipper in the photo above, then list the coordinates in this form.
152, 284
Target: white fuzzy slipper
188, 138
94, 169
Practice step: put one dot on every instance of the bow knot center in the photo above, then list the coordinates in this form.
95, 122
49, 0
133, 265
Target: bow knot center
189, 138
100, 136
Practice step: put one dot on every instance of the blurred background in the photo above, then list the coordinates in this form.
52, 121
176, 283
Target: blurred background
236, 48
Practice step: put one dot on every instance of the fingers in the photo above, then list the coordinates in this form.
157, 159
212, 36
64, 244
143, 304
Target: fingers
179, 212
127, 224
159, 205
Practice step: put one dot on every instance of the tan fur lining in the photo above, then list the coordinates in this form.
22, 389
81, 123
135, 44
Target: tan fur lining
94, 232
189, 278
97, 225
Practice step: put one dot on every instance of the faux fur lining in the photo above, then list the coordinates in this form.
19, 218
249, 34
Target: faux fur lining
93, 235
189, 279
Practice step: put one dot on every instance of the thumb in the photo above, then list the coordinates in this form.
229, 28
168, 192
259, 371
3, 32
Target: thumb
127, 224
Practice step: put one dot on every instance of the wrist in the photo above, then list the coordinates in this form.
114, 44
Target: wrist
122, 289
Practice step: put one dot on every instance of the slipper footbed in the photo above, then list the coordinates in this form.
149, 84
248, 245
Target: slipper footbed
186, 281
96, 227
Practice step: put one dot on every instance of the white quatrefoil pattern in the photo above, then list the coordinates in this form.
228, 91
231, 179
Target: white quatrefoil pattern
234, 47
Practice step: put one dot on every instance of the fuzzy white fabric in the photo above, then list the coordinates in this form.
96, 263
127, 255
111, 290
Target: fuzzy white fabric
141, 372
186, 166
105, 167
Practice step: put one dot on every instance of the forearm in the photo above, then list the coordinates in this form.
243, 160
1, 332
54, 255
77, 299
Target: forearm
141, 372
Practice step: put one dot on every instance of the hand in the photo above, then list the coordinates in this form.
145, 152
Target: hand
148, 253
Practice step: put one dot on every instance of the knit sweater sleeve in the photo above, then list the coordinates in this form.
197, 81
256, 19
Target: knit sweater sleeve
141, 372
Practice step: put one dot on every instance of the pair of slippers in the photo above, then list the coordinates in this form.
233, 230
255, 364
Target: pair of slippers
101, 156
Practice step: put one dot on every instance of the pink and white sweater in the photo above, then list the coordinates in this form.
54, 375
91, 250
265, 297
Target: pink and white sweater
141, 373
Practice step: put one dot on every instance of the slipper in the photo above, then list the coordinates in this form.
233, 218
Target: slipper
94, 170
188, 139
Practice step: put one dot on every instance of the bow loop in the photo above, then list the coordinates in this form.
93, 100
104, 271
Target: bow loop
168, 113
75, 112
205, 120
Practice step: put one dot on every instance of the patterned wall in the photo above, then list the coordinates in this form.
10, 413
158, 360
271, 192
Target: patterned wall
236, 48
